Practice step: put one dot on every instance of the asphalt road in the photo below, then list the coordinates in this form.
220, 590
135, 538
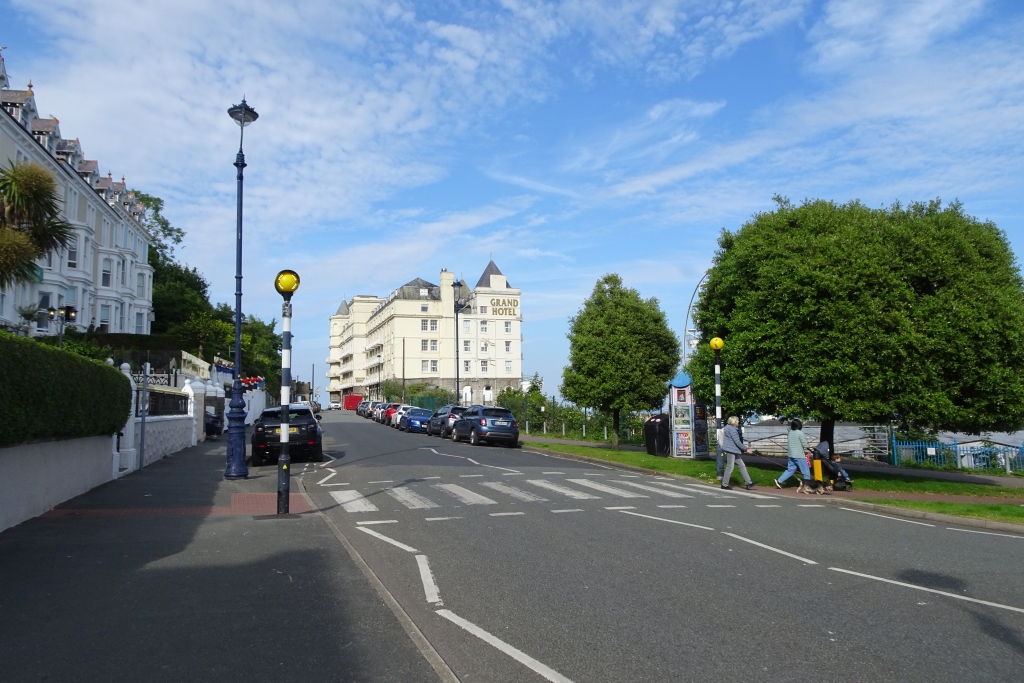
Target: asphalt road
551, 569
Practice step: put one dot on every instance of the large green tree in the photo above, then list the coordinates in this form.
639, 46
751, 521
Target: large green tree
622, 353
30, 220
909, 314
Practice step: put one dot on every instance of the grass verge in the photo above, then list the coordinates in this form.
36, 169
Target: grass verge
996, 512
763, 474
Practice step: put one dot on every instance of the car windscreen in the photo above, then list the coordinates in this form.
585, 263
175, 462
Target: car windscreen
419, 412
495, 412
457, 410
293, 413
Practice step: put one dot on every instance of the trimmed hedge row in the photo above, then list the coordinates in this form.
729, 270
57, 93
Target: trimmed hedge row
49, 394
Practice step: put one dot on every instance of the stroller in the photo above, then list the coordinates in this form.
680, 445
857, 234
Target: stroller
836, 478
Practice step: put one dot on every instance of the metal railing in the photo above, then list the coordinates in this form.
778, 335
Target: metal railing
162, 403
985, 457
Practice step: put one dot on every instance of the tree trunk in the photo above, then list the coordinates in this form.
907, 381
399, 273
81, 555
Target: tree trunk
615, 429
828, 433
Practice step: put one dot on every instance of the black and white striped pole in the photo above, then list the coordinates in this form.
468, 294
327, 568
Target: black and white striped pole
716, 345
286, 282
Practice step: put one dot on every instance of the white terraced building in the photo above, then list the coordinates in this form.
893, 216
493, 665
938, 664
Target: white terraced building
410, 335
104, 273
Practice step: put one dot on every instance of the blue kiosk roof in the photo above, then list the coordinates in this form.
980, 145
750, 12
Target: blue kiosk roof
681, 380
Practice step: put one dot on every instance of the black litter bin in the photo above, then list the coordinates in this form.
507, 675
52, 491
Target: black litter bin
658, 435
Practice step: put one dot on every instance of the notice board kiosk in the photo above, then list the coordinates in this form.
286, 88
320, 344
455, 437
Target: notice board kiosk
689, 420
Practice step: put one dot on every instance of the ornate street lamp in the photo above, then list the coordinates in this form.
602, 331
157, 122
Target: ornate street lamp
64, 313
459, 305
243, 115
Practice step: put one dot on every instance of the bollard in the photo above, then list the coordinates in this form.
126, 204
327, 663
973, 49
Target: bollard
545, 426
584, 430
527, 427
606, 432
563, 429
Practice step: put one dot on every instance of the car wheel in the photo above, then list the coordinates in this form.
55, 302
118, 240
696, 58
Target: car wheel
474, 439
256, 460
515, 444
430, 430
318, 454
455, 435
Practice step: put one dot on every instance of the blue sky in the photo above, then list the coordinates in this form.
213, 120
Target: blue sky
568, 139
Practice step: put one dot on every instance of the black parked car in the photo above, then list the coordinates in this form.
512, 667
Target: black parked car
481, 424
213, 424
306, 438
441, 422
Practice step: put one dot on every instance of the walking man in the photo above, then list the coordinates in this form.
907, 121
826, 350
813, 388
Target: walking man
797, 447
733, 448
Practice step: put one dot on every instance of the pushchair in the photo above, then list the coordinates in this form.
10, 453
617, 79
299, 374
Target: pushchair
836, 478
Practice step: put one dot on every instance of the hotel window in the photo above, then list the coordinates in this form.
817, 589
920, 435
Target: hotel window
423, 344
467, 345
49, 259
120, 318
508, 327
483, 366
122, 271
483, 346
433, 326
508, 366
423, 308
73, 252
483, 310
508, 347
138, 323
423, 325
72, 296
433, 345
483, 326
105, 318
424, 365
43, 323
140, 286
466, 326
433, 366
105, 278
466, 365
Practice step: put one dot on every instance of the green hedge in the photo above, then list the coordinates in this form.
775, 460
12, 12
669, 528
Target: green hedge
52, 394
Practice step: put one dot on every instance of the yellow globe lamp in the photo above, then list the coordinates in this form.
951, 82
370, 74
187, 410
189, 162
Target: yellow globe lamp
286, 282
717, 344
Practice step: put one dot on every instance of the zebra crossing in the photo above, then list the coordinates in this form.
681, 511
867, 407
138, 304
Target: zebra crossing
427, 498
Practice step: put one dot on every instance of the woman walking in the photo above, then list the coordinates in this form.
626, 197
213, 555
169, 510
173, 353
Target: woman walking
797, 449
733, 448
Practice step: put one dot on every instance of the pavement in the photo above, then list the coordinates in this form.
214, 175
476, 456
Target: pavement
506, 565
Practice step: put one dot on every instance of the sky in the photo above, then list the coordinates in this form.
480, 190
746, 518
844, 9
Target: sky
569, 140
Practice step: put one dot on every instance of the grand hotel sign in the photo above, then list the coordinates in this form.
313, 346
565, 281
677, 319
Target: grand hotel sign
505, 307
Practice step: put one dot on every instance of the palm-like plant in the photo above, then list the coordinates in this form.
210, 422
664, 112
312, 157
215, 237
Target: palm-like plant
30, 220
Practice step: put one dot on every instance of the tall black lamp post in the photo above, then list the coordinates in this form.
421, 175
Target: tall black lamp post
64, 313
459, 305
243, 115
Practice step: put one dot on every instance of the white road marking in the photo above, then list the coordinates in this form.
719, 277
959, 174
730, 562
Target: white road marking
342, 483
383, 481
655, 489
927, 590
329, 476
512, 474
987, 533
662, 519
425, 478
552, 472
463, 476
592, 474
565, 491
622, 507
811, 505
767, 506
506, 514
572, 510
379, 521
438, 519
768, 547
694, 489
671, 506
632, 476
353, 501
516, 654
465, 495
721, 506
397, 544
430, 591
462, 457
512, 491
598, 486
895, 519
410, 498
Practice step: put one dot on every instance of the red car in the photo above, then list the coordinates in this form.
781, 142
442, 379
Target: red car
387, 412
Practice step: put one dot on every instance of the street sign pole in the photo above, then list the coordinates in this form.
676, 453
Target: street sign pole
286, 283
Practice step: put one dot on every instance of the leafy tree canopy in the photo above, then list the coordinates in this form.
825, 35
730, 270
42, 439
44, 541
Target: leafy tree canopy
840, 312
622, 353
165, 236
30, 220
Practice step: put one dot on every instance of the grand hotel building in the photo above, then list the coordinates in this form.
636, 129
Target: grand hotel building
411, 335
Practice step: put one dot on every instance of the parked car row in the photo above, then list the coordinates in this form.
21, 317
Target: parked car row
477, 424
